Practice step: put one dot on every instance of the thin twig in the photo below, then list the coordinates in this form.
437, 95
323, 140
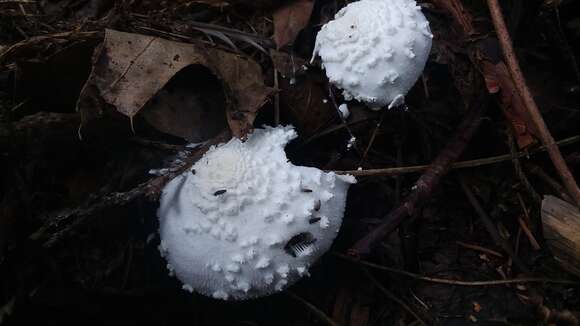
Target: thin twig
520, 171
490, 227
453, 282
393, 297
333, 129
76, 35
165, 33
524, 226
319, 313
240, 35
372, 140
530, 104
234, 32
2, 2
533, 242
426, 183
344, 123
276, 99
540, 173
459, 165
479, 248
128, 264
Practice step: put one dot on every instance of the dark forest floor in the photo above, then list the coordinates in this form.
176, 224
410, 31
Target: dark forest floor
78, 229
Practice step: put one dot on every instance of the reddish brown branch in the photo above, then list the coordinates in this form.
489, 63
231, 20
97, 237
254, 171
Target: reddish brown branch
541, 174
485, 55
426, 183
530, 104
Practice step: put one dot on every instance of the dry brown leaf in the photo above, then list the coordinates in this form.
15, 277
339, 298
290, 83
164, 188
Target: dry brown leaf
245, 83
129, 69
192, 98
290, 19
302, 94
305, 102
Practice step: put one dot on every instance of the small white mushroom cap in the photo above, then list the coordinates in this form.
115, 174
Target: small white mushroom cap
344, 112
375, 50
245, 222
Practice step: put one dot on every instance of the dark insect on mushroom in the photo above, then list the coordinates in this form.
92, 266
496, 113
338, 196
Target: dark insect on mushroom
306, 190
219, 192
317, 205
299, 244
193, 171
313, 220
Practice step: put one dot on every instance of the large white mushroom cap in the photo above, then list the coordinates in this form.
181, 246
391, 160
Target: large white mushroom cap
245, 222
375, 50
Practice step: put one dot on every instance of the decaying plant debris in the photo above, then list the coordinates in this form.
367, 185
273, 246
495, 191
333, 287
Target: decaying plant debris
100, 100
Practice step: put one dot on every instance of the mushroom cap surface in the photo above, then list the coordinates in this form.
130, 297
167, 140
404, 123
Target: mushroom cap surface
375, 50
244, 222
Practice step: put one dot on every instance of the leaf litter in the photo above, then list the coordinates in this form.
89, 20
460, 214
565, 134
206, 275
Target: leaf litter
97, 232
130, 69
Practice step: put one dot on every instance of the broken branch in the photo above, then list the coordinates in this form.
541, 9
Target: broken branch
530, 104
426, 183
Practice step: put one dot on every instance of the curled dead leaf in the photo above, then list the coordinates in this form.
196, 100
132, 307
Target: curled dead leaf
129, 69
192, 98
305, 103
290, 19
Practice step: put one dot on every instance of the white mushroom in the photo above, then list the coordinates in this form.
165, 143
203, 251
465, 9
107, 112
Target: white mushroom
244, 222
344, 112
375, 50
